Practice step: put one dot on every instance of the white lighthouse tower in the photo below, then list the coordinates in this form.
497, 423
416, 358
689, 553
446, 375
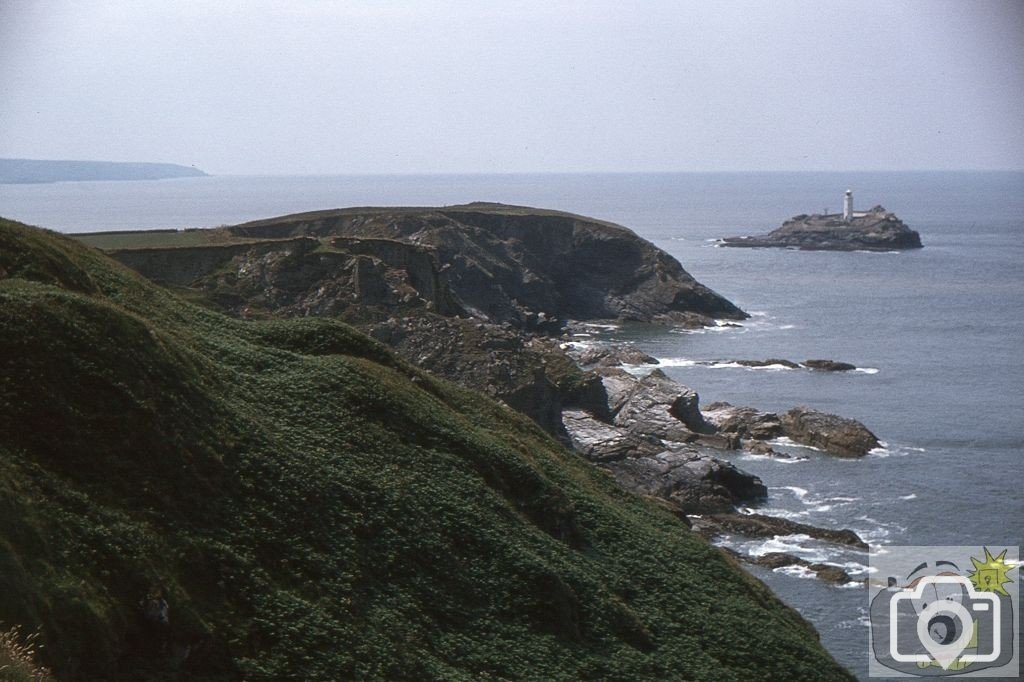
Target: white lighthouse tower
848, 205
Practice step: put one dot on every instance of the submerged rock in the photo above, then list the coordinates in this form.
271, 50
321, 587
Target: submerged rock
762, 526
830, 573
770, 362
834, 434
829, 365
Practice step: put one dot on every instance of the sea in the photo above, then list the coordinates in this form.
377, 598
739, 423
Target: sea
937, 334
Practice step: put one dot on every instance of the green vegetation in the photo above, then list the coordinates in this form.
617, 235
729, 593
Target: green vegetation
311, 507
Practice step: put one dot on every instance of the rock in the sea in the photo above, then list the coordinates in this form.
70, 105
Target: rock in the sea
762, 526
759, 447
612, 356
829, 365
833, 434
875, 230
827, 572
744, 422
770, 362
696, 482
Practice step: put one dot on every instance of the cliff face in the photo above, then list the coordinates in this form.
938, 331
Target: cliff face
876, 230
493, 262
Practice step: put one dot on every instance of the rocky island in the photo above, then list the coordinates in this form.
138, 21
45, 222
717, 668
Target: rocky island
874, 230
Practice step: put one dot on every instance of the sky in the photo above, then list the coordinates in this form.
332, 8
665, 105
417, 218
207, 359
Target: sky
503, 86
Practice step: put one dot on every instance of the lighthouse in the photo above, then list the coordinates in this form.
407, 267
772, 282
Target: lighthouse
848, 205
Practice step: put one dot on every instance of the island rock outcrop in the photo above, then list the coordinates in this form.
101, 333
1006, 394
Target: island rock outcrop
874, 230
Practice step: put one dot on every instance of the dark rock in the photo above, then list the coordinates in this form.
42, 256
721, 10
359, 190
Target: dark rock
612, 356
761, 526
836, 435
830, 573
827, 572
744, 422
877, 230
696, 482
759, 447
829, 365
767, 363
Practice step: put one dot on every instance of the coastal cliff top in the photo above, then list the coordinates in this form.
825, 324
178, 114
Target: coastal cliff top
489, 261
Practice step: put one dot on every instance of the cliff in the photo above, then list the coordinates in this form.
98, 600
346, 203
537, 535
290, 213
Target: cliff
874, 230
299, 503
495, 263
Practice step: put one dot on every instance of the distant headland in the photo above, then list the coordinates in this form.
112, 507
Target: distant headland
27, 171
873, 230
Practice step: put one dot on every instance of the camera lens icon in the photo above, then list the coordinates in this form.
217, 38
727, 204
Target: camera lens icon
947, 608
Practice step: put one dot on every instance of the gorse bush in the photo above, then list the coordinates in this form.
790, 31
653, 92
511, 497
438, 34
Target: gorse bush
188, 496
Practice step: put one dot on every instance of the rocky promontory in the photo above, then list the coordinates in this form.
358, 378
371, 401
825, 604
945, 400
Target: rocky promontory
503, 264
873, 230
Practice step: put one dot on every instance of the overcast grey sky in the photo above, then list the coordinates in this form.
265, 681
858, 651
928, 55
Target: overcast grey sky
236, 86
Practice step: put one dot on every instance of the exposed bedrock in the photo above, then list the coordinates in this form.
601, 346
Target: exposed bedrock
834, 434
529, 267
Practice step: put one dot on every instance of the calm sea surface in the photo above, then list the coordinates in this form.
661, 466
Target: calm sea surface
938, 334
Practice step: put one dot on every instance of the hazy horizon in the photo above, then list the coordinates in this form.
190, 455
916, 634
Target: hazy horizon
464, 88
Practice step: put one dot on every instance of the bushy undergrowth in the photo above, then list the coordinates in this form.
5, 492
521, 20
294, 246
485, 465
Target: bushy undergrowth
307, 507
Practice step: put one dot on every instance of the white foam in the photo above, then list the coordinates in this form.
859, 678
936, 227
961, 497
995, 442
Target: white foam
884, 450
787, 442
677, 362
607, 327
911, 496
752, 456
798, 492
787, 326
867, 370
796, 571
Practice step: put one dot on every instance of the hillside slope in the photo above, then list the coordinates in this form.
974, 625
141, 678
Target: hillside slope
311, 507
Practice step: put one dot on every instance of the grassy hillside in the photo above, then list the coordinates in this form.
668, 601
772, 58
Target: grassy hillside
312, 508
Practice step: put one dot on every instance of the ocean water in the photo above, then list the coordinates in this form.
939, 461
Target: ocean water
937, 334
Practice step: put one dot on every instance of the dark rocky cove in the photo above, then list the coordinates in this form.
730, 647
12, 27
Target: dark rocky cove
488, 296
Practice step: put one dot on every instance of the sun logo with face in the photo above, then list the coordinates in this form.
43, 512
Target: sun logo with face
989, 574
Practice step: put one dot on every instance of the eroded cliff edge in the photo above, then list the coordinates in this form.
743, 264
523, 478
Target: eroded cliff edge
493, 262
